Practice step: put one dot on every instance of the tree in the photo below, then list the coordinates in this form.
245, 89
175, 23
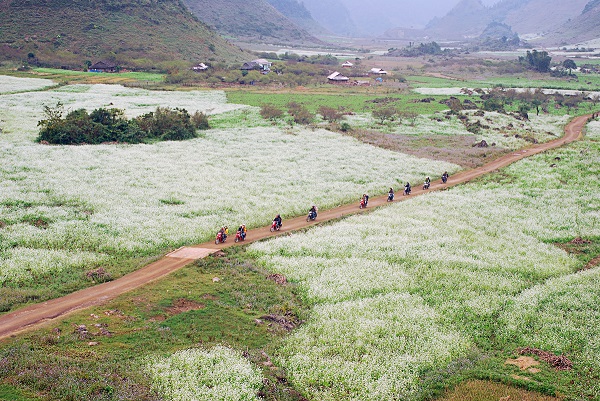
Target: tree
410, 116
523, 111
385, 113
569, 65
539, 61
330, 114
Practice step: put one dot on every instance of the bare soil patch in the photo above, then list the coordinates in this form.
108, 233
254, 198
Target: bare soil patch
558, 362
457, 149
277, 278
523, 362
182, 305
286, 322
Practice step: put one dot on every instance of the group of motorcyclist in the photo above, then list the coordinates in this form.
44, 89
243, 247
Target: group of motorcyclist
312, 212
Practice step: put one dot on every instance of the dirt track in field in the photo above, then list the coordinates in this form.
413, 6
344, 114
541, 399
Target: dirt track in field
33, 316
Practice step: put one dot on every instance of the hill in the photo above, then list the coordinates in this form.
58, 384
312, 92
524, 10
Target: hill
299, 14
133, 33
582, 28
333, 15
469, 18
251, 20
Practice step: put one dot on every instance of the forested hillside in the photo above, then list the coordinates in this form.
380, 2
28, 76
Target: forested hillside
131, 33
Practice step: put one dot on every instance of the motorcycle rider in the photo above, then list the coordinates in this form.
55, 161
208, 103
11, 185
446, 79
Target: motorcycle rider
391, 194
427, 183
313, 212
365, 198
242, 230
225, 233
277, 220
407, 189
445, 177
222, 233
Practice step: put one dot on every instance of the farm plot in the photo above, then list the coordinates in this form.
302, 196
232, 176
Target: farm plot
503, 131
68, 209
400, 293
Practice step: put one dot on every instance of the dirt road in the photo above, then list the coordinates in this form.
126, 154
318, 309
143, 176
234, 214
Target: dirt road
33, 316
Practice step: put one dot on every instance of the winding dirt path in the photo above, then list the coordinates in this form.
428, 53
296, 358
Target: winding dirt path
33, 316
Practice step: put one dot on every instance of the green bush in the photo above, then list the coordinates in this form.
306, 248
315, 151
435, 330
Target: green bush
110, 125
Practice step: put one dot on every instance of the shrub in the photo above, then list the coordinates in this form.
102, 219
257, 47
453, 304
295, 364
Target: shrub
200, 120
269, 112
330, 114
300, 113
167, 125
110, 125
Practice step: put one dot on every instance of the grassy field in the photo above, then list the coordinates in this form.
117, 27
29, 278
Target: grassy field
133, 347
584, 82
405, 302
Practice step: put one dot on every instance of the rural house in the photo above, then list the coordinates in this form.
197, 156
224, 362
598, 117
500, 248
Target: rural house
337, 77
200, 67
260, 64
103, 66
379, 71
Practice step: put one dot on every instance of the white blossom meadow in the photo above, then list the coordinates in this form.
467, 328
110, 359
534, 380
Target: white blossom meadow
405, 289
217, 374
98, 201
14, 85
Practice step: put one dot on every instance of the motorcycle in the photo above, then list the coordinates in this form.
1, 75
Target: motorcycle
275, 226
220, 238
239, 237
390, 197
407, 190
426, 185
363, 204
312, 215
444, 178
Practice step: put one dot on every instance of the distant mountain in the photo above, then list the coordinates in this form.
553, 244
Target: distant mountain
470, 18
252, 20
333, 16
299, 14
584, 27
537, 16
132, 33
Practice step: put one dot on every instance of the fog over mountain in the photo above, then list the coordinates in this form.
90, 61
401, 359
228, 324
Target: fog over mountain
376, 17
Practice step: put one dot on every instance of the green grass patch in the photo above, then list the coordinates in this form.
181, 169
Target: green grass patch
583, 82
10, 393
219, 300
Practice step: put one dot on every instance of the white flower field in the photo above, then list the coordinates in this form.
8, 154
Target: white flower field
104, 200
218, 374
397, 295
408, 288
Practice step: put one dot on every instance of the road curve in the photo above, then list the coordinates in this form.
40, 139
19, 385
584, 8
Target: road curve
35, 315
